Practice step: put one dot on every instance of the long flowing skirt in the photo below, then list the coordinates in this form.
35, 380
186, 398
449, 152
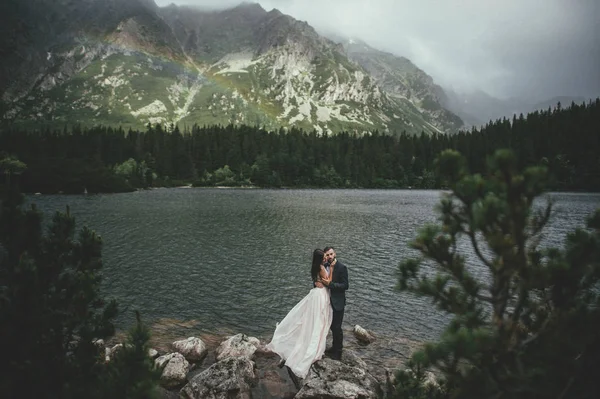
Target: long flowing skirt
301, 336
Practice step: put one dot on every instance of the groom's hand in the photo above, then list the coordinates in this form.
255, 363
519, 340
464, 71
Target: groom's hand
319, 284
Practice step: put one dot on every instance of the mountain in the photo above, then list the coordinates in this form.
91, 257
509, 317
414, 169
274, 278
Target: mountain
129, 63
403, 80
58, 61
36, 34
564, 101
477, 107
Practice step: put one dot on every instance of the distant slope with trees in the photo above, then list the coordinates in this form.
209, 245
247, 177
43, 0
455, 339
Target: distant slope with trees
104, 159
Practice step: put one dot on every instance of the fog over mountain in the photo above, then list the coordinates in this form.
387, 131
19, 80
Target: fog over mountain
128, 63
533, 50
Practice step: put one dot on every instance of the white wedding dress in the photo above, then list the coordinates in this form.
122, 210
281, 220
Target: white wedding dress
300, 337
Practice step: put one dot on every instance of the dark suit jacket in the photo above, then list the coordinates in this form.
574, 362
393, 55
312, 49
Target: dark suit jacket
338, 286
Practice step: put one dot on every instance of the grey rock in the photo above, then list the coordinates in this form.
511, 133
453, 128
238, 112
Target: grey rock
351, 359
152, 353
239, 345
161, 361
110, 352
335, 379
174, 370
230, 378
364, 336
192, 348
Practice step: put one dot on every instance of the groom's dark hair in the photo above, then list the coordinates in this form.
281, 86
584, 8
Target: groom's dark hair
328, 248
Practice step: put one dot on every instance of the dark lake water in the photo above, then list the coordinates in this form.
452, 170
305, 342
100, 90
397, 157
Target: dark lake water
237, 260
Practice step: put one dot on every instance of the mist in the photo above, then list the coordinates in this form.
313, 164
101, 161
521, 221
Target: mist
528, 49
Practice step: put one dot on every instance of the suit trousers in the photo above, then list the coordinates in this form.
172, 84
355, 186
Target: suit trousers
336, 331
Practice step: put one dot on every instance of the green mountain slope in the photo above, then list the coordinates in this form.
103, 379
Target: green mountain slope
130, 63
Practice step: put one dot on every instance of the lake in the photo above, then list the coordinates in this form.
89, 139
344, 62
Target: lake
237, 260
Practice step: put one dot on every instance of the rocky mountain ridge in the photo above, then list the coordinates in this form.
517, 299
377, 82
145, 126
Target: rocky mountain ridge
402, 79
129, 63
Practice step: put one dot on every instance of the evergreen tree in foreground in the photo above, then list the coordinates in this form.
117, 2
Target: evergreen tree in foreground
530, 328
132, 374
51, 310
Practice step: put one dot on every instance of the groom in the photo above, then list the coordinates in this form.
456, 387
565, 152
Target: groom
337, 288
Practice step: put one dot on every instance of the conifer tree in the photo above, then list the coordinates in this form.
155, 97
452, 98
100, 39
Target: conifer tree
51, 310
529, 329
131, 374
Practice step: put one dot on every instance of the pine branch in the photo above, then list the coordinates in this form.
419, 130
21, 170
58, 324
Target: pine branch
486, 262
564, 391
536, 296
540, 222
523, 295
485, 298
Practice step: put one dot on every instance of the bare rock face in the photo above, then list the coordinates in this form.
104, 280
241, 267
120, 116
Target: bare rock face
174, 369
193, 349
364, 336
239, 345
230, 378
344, 379
351, 359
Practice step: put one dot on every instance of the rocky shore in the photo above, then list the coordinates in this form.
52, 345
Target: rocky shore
240, 366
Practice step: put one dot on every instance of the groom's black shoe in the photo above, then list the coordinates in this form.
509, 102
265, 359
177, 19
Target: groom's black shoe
329, 350
294, 378
335, 355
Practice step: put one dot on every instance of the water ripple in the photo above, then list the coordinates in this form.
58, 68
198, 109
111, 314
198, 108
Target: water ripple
239, 260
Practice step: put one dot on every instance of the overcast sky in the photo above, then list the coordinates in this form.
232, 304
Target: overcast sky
522, 48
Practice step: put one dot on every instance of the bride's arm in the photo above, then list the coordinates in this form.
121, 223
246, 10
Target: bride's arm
323, 277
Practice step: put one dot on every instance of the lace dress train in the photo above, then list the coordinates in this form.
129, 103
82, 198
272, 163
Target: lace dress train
301, 336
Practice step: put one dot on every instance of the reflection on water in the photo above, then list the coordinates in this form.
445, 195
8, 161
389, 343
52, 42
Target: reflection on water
217, 261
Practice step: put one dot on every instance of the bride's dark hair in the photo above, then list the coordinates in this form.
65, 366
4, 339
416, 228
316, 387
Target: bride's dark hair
316, 264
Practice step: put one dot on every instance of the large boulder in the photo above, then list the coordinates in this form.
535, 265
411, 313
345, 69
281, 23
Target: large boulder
230, 378
192, 348
346, 379
174, 370
350, 358
363, 336
239, 345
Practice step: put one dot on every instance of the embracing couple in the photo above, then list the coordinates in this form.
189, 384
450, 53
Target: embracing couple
301, 336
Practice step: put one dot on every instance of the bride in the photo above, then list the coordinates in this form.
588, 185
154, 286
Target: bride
300, 337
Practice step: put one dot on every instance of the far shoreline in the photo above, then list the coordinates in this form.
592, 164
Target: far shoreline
60, 193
